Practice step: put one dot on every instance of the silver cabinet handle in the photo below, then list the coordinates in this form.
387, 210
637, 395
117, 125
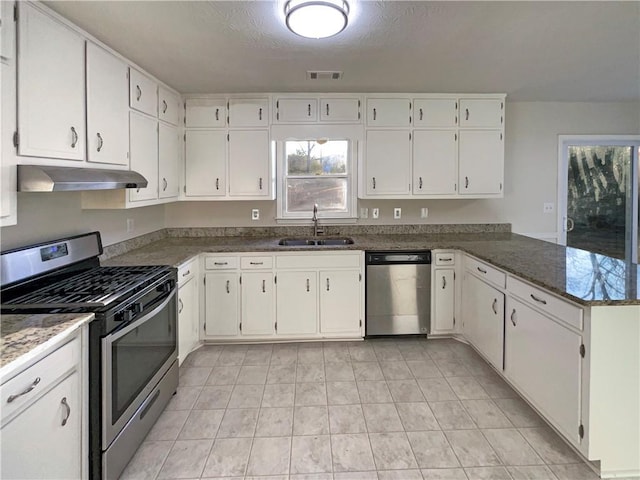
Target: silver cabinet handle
164, 106
466, 182
308, 285
188, 272
256, 263
327, 109
228, 282
217, 184
420, 114
446, 259
494, 306
164, 184
513, 317
221, 263
74, 138
264, 286
180, 306
375, 114
308, 110
138, 93
374, 182
68, 412
25, 391
260, 114
466, 114
100, 141
482, 270
444, 282
420, 183
327, 284
539, 300
260, 183
217, 114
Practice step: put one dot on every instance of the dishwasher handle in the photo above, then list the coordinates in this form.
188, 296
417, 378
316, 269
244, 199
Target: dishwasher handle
398, 258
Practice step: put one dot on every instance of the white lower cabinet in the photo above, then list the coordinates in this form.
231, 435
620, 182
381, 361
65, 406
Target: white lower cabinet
258, 302
222, 306
188, 325
340, 302
542, 359
297, 303
443, 301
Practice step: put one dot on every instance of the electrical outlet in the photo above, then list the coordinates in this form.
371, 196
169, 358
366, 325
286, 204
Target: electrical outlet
424, 212
130, 225
255, 214
375, 213
364, 212
397, 213
548, 208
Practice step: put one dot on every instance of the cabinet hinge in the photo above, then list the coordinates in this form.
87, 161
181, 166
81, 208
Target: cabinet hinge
455, 187
501, 105
501, 136
454, 275
454, 321
227, 137
15, 12
275, 279
240, 280
204, 280
240, 326
360, 324
581, 431
455, 137
583, 351
456, 105
277, 115
501, 187
184, 189
409, 132
276, 326
16, 139
278, 104
185, 137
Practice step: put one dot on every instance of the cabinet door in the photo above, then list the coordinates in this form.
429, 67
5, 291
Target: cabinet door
435, 112
542, 359
144, 155
205, 112
221, 304
37, 444
435, 154
339, 110
388, 162
297, 303
168, 161
187, 319
481, 113
205, 163
248, 112
481, 162
388, 112
483, 314
143, 93
340, 302
249, 163
443, 320
107, 107
258, 303
168, 106
51, 95
297, 110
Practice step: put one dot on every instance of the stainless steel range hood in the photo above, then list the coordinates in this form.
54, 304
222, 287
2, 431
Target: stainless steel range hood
41, 178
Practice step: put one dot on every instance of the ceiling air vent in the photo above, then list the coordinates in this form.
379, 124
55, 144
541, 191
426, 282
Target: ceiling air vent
323, 75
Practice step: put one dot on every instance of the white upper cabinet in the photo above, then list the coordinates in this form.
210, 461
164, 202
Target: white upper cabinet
168, 106
388, 162
144, 155
248, 112
107, 107
143, 93
435, 112
435, 162
346, 110
249, 166
205, 163
168, 165
297, 110
206, 112
481, 113
51, 95
481, 162
388, 112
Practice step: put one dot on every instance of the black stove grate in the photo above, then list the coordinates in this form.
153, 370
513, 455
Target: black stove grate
96, 287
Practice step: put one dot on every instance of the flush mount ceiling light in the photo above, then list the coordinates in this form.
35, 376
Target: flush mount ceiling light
316, 18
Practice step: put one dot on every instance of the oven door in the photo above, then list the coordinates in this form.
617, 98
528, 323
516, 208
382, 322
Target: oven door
134, 359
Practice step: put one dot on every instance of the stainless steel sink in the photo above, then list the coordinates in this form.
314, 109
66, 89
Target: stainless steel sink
306, 242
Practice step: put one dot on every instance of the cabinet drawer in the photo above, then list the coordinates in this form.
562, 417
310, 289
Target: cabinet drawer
29, 384
221, 263
253, 263
445, 258
318, 261
143, 93
486, 272
186, 271
545, 301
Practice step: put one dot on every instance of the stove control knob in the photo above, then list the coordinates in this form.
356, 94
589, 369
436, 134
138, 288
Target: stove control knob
136, 308
165, 287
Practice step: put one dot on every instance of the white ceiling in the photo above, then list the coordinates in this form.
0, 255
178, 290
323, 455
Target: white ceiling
540, 51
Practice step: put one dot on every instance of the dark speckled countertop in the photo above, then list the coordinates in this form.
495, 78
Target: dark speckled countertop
584, 277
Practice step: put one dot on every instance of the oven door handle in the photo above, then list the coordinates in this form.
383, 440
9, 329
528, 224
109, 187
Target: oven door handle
140, 321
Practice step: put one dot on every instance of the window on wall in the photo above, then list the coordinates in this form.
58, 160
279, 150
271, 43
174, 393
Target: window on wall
317, 172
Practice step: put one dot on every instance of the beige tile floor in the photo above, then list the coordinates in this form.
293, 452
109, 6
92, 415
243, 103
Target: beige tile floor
380, 409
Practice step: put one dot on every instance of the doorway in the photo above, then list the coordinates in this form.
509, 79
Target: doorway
598, 194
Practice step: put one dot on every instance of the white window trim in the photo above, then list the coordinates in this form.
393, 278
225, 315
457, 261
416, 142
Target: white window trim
354, 134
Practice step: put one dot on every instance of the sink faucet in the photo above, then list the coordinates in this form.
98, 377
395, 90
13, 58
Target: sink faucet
316, 230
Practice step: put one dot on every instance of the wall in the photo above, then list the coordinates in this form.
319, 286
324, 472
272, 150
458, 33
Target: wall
531, 152
47, 216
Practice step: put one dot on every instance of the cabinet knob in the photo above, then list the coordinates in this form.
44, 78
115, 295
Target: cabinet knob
420, 183
444, 282
513, 317
264, 286
327, 109
260, 114
164, 184
217, 184
374, 182
138, 93
466, 182
74, 137
228, 291
420, 114
68, 410
308, 110
217, 114
260, 183
494, 306
327, 284
307, 284
100, 141
180, 306
164, 106
375, 114
466, 114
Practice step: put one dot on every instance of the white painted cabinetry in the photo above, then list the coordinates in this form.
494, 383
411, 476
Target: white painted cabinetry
443, 293
435, 154
258, 303
388, 112
205, 163
435, 112
297, 110
345, 110
188, 309
205, 112
481, 158
388, 162
222, 304
8, 120
248, 112
144, 155
168, 106
249, 165
143, 93
340, 302
168, 166
51, 87
297, 302
481, 113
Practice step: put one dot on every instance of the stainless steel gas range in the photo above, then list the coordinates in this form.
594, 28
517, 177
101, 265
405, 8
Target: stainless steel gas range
133, 370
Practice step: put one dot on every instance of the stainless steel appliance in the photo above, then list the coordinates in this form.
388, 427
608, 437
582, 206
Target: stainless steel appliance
133, 369
398, 293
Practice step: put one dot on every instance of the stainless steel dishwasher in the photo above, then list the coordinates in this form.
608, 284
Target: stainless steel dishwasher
398, 293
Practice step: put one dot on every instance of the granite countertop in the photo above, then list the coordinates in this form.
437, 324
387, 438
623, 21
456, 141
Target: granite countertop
23, 337
583, 277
